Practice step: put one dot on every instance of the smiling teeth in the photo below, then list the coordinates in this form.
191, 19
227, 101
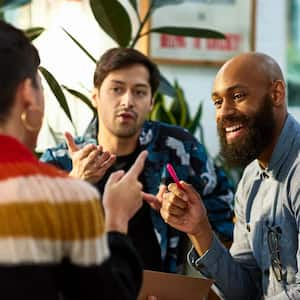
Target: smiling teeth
233, 128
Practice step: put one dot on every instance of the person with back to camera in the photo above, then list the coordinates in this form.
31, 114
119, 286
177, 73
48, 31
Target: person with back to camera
125, 82
256, 130
54, 240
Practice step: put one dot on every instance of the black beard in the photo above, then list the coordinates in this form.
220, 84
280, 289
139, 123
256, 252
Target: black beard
260, 127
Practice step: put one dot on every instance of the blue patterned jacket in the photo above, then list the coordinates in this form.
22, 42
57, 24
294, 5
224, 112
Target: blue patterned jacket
167, 143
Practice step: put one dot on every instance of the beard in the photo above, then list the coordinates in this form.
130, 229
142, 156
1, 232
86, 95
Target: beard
127, 130
260, 131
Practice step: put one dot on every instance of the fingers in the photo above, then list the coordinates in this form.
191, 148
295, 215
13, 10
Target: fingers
152, 200
70, 142
162, 190
115, 177
138, 166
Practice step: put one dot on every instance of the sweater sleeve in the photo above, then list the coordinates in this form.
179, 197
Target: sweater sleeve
118, 277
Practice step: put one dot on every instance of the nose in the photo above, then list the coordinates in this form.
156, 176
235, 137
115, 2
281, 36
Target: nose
127, 99
227, 109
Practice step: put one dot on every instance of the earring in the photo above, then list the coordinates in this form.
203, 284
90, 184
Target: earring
32, 119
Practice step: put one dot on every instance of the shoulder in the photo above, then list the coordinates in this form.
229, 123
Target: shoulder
159, 131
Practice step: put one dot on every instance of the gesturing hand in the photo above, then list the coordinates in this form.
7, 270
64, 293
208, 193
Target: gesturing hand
89, 162
122, 196
183, 208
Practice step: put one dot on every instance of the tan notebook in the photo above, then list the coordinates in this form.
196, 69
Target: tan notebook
167, 286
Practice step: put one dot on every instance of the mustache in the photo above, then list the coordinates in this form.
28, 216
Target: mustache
231, 120
120, 111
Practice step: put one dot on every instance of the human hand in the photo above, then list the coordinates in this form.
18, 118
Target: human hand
155, 201
183, 209
123, 195
89, 162
152, 298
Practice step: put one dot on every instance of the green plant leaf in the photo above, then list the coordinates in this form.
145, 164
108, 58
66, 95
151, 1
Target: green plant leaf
134, 4
81, 97
80, 45
11, 4
113, 19
160, 113
165, 87
34, 32
195, 123
179, 107
57, 91
188, 31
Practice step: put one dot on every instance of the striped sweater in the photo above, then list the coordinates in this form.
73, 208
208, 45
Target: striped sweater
52, 240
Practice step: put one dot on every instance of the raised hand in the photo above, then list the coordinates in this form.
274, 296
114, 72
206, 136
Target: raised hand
123, 196
183, 208
89, 162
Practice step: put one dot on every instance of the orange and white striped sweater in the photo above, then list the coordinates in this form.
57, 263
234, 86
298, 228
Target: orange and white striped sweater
52, 239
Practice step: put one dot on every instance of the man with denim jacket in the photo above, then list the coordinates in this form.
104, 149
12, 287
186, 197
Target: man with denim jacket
125, 82
255, 130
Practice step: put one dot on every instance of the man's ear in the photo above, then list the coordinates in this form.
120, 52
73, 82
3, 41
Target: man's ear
94, 95
152, 103
278, 92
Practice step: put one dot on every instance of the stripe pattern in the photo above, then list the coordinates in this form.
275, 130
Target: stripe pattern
46, 216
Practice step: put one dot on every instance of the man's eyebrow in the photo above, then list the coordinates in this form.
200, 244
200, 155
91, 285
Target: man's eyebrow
230, 89
136, 85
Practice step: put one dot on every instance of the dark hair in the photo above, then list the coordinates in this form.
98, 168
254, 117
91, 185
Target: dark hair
19, 60
118, 58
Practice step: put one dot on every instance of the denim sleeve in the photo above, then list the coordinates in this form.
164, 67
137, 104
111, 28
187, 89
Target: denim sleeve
236, 273
58, 157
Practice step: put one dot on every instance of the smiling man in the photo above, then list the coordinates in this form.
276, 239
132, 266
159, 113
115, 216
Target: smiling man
255, 130
125, 82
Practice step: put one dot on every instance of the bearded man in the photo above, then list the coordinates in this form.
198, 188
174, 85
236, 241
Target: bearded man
255, 130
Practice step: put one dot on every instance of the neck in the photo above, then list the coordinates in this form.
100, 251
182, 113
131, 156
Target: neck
266, 155
117, 145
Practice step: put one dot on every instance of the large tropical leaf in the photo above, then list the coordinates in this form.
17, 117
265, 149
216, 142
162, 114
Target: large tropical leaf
188, 31
57, 91
165, 87
10, 4
195, 123
113, 19
80, 45
34, 32
160, 113
134, 4
81, 97
179, 107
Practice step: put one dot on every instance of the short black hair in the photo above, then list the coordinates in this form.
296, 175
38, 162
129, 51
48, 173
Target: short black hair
118, 58
19, 60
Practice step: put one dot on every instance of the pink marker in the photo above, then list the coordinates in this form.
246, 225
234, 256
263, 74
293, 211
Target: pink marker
173, 175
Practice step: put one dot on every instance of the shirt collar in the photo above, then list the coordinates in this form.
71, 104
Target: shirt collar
281, 150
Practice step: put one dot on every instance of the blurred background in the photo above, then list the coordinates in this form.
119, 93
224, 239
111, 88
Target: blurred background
269, 26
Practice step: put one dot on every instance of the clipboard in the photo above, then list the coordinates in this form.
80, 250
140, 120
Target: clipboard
166, 286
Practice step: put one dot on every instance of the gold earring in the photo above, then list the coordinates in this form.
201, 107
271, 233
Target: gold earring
37, 120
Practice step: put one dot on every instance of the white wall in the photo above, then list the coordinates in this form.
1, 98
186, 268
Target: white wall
72, 68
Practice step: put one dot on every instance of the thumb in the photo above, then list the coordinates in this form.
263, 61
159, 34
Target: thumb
70, 142
191, 193
138, 165
115, 177
152, 200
